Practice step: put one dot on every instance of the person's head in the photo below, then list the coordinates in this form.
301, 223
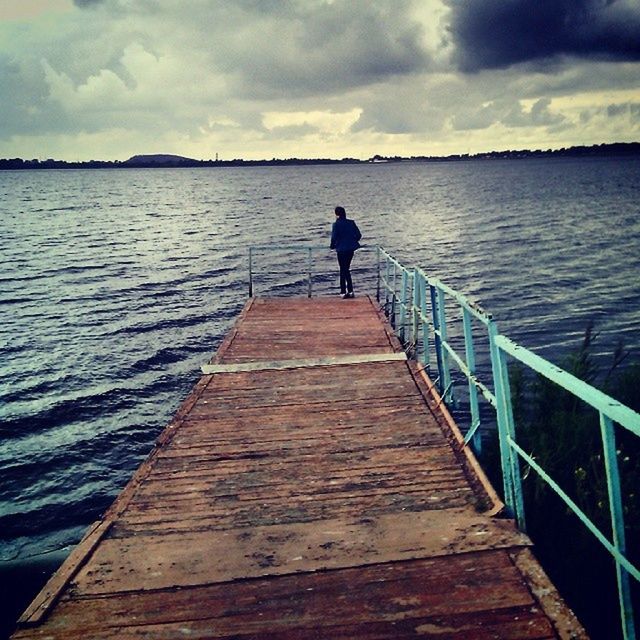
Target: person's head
340, 212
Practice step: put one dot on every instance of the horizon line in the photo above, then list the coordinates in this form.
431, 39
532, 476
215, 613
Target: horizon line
178, 160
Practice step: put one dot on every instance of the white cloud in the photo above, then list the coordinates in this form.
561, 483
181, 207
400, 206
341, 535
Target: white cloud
104, 86
322, 121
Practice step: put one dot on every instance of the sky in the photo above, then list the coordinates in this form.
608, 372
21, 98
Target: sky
261, 79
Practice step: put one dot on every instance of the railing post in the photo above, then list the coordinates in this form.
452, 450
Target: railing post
445, 374
514, 461
392, 313
426, 356
414, 314
310, 263
501, 418
251, 272
617, 524
378, 274
403, 304
506, 431
473, 391
394, 297
435, 321
387, 268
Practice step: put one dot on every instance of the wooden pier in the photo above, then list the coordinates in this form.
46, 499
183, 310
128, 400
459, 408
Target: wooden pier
311, 486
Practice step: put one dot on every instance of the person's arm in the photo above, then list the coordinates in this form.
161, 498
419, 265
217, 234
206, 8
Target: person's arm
358, 235
333, 237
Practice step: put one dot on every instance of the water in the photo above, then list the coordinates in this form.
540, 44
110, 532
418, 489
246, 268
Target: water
115, 286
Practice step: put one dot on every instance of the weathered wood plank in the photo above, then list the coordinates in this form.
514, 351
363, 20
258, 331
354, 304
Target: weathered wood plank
375, 372
304, 363
256, 487
309, 463
275, 512
415, 599
207, 436
412, 406
171, 560
54, 587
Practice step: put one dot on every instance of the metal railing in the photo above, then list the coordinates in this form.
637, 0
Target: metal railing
424, 298
396, 303
416, 295
310, 250
445, 353
609, 411
313, 254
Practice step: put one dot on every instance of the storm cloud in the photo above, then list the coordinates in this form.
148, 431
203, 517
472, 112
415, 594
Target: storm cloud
492, 34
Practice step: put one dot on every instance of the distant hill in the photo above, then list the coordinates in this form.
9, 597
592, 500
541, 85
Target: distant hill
158, 158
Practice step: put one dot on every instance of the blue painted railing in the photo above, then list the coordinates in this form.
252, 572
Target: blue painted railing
422, 298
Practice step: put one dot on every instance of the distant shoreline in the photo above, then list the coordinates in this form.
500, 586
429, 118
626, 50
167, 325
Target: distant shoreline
163, 161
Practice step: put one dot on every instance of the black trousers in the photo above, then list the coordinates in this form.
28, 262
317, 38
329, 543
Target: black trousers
344, 260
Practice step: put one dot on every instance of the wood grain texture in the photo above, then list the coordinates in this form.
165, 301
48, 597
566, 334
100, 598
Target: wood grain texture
320, 501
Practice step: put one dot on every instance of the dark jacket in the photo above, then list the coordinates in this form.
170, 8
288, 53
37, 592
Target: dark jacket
345, 235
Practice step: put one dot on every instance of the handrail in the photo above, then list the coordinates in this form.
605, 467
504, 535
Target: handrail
401, 297
432, 323
609, 411
429, 291
421, 298
615, 410
310, 249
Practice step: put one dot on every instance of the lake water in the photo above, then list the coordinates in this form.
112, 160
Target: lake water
116, 285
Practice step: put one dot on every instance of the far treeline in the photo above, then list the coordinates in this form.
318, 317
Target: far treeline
616, 149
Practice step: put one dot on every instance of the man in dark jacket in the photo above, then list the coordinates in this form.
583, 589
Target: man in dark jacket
344, 239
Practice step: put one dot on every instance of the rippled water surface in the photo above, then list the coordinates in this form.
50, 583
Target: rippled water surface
116, 285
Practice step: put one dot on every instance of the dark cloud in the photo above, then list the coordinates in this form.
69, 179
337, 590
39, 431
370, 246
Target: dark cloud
23, 96
314, 47
627, 109
614, 110
491, 34
538, 116
581, 76
271, 48
625, 113
401, 109
509, 112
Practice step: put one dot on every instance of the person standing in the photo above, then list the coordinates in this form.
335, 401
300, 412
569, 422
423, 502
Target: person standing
344, 239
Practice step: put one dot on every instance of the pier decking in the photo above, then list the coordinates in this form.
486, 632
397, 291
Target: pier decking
311, 486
